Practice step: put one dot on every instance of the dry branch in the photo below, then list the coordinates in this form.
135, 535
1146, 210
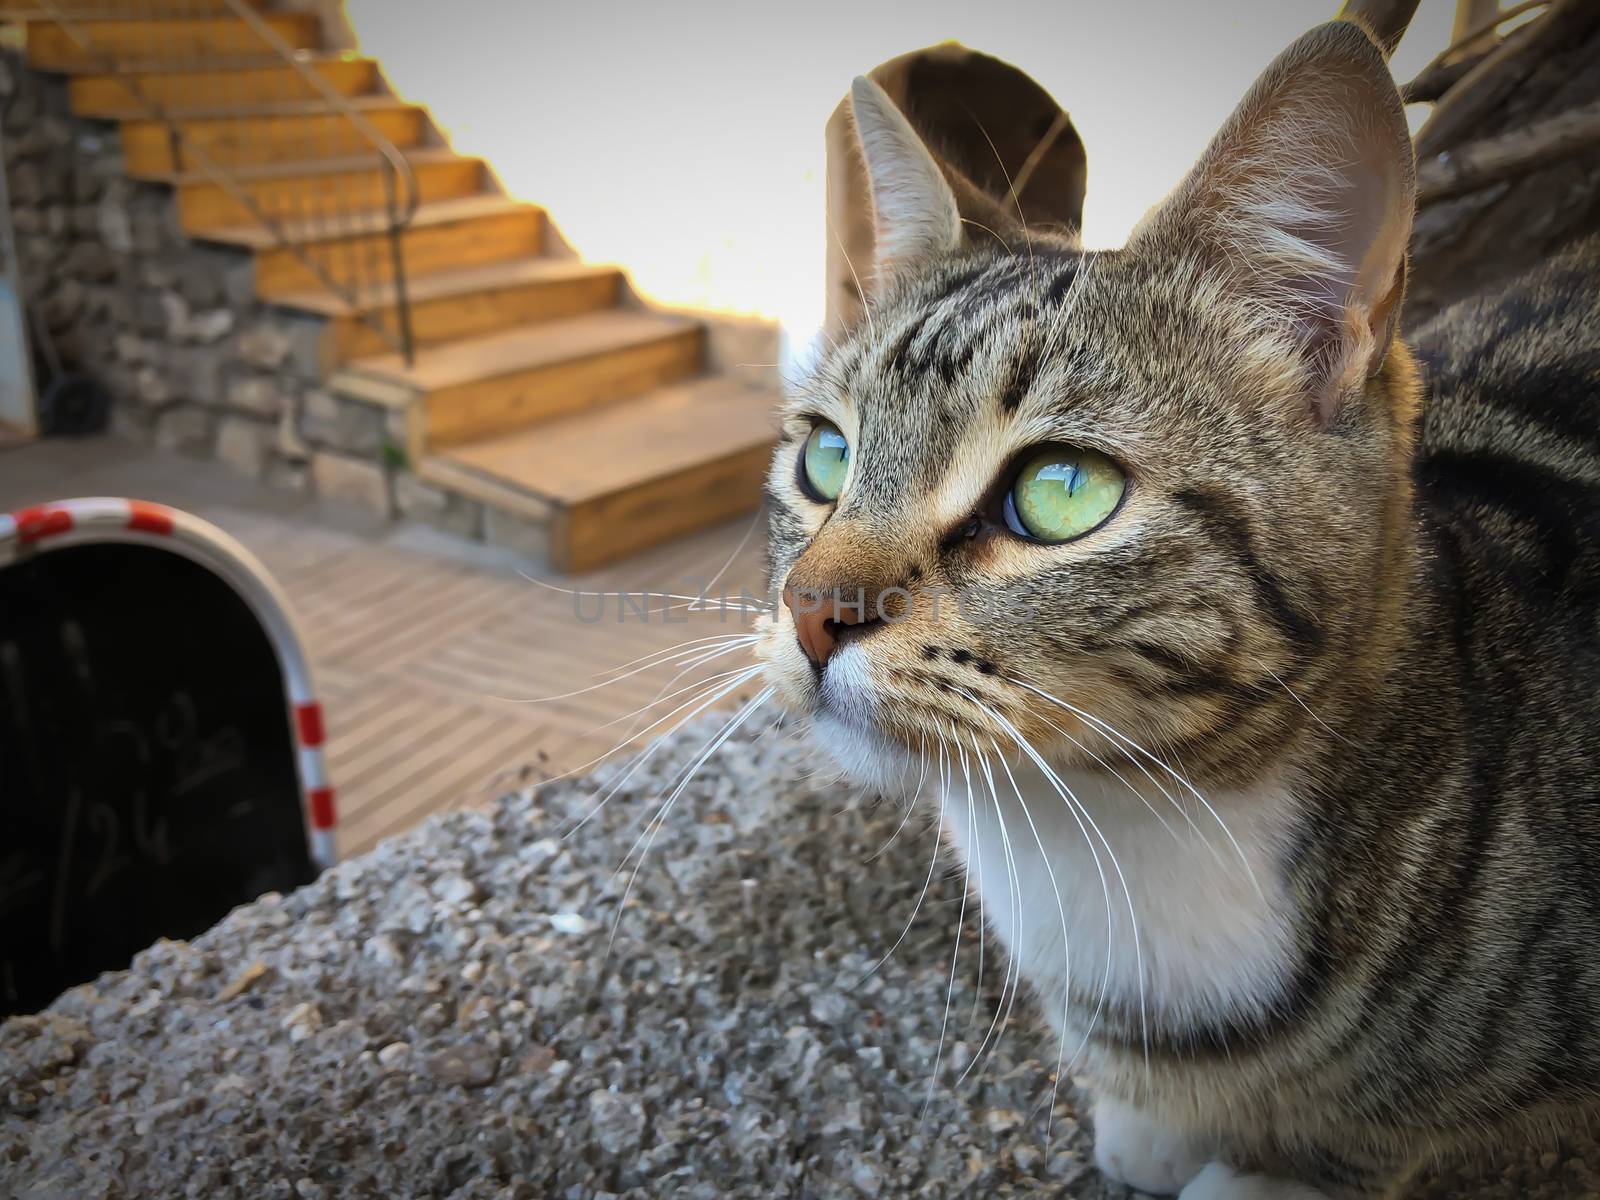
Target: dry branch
1474, 19
1478, 164
1509, 162
1386, 20
1487, 86
1437, 78
1449, 67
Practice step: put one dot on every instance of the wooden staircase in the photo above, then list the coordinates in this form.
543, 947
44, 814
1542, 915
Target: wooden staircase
536, 388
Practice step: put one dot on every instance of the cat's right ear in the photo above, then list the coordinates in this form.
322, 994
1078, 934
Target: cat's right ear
914, 212
1303, 203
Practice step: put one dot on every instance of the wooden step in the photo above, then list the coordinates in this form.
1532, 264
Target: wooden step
116, 96
629, 476
268, 133
470, 231
286, 191
508, 497
448, 305
52, 47
479, 387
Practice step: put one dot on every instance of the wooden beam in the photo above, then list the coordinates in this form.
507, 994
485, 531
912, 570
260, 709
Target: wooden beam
1490, 160
1386, 20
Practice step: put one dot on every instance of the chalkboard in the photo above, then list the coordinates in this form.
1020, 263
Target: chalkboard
147, 765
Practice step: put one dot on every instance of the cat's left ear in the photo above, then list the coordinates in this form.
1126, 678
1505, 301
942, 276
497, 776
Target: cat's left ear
1304, 200
915, 219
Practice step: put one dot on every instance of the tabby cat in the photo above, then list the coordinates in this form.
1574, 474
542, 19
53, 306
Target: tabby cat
1262, 697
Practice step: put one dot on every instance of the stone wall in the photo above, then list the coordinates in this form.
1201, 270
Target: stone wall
170, 327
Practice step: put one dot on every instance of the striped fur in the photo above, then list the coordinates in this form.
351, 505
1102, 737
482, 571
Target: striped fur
1353, 590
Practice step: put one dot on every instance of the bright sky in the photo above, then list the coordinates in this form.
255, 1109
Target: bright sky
684, 140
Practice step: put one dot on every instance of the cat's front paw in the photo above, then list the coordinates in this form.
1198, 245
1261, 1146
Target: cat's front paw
1146, 1155
1221, 1182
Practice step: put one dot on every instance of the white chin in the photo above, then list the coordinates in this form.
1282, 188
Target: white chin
865, 756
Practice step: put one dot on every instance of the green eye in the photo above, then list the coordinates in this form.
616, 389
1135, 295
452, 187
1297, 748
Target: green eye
824, 461
1062, 493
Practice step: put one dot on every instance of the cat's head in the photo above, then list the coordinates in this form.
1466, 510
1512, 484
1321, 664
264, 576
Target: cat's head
1160, 490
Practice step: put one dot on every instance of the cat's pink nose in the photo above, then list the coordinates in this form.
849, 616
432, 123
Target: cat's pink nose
817, 618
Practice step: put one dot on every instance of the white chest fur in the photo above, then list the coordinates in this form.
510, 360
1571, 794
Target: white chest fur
1105, 891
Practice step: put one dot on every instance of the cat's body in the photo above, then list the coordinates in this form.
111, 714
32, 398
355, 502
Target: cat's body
1422, 956
1310, 884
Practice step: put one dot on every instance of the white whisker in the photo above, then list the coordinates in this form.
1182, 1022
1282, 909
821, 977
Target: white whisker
658, 821
1004, 245
955, 958
662, 694
755, 519
916, 908
1080, 815
1295, 696
1122, 738
1143, 799
655, 657
632, 736
911, 806
866, 307
693, 603
1010, 183
733, 642
740, 678
1070, 302
977, 992
1011, 980
1066, 944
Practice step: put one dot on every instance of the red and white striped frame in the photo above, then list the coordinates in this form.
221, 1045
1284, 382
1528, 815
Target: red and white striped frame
111, 519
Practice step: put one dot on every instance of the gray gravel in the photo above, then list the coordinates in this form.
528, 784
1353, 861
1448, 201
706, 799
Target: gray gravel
444, 1017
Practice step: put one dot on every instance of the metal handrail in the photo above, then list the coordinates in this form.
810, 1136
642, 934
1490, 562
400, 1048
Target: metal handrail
397, 161
401, 195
